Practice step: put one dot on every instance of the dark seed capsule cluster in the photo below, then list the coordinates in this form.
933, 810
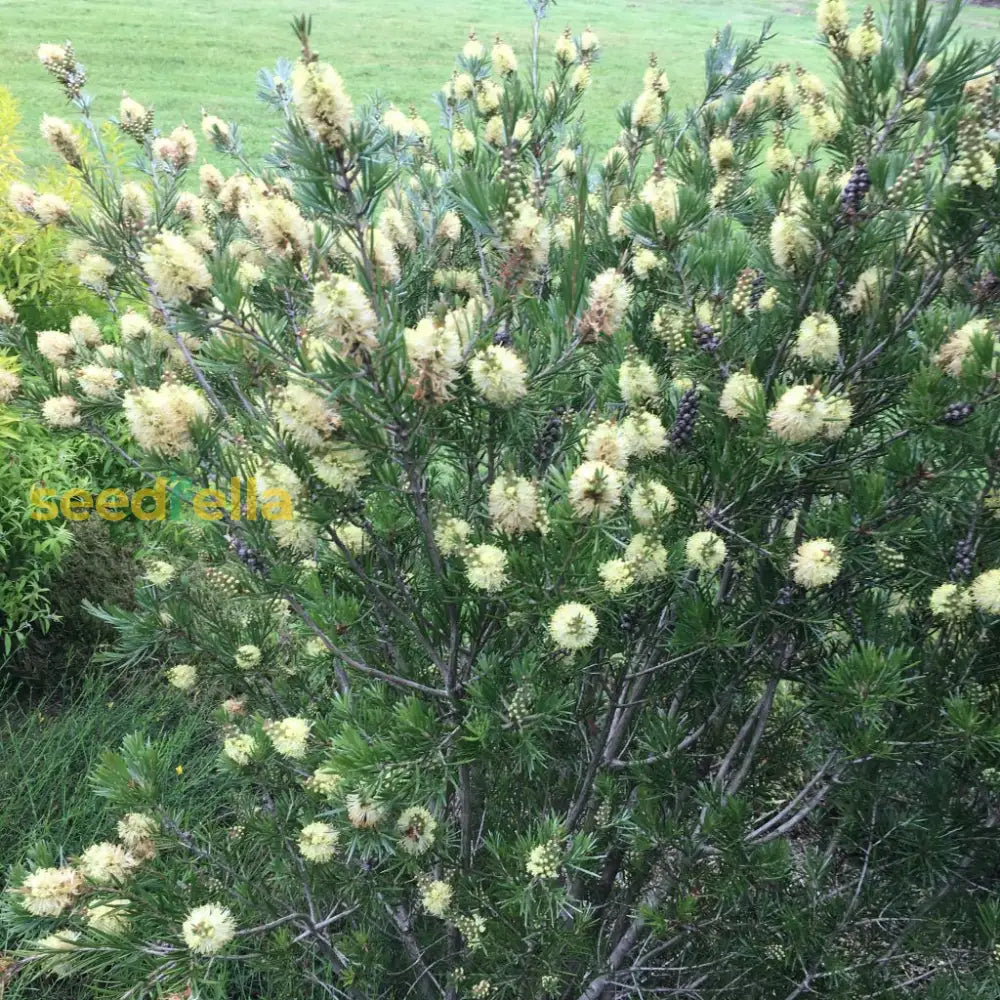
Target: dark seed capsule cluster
705, 336
247, 555
855, 190
958, 413
687, 415
962, 564
548, 438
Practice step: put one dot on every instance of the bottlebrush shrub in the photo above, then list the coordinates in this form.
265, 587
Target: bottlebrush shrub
635, 626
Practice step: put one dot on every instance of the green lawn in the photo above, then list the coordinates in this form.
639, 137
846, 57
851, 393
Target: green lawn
181, 55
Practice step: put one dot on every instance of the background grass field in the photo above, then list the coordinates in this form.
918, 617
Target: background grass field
180, 55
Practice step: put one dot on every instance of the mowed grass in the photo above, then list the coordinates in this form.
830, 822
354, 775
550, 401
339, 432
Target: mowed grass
182, 55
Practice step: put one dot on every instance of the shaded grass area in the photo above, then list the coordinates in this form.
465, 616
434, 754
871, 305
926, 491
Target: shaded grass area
99, 564
49, 746
183, 55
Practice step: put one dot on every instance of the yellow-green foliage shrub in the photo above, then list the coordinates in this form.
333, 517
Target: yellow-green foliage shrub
30, 551
34, 272
37, 277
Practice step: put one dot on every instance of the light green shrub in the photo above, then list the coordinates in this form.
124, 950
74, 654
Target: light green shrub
34, 271
37, 277
30, 551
